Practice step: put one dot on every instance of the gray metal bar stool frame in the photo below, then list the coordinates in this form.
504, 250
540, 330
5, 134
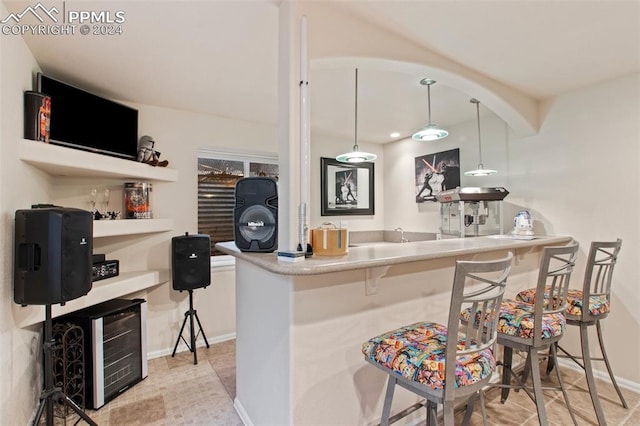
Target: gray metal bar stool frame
479, 286
554, 274
594, 306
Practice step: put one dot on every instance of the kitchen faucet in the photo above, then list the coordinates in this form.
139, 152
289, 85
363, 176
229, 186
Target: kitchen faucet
402, 238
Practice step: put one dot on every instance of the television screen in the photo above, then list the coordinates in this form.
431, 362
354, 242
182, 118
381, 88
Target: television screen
80, 119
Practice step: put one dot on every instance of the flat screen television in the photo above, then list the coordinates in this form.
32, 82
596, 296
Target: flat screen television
83, 120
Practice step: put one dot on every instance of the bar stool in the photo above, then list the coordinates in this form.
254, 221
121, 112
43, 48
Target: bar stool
538, 326
596, 295
419, 358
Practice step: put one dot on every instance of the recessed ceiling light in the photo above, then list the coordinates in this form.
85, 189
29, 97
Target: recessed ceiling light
394, 134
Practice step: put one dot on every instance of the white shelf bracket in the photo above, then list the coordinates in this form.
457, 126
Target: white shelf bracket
372, 275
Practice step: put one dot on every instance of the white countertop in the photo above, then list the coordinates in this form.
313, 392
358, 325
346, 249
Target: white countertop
386, 254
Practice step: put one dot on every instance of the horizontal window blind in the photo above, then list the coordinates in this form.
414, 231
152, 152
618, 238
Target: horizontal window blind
217, 178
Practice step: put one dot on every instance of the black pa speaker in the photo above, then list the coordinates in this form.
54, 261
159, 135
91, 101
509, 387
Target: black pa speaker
191, 260
53, 255
255, 217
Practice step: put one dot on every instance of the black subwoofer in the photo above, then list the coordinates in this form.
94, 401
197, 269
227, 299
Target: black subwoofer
191, 260
53, 255
255, 217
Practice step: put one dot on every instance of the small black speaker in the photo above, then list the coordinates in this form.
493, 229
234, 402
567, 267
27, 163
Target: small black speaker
191, 259
255, 217
53, 255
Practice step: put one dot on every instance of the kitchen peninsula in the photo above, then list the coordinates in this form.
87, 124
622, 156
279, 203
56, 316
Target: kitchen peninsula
300, 326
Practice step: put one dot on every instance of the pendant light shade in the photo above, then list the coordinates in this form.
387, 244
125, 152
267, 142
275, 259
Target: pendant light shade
356, 156
430, 132
480, 171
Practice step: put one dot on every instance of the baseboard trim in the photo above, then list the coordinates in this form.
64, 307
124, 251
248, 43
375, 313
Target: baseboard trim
199, 343
599, 374
241, 412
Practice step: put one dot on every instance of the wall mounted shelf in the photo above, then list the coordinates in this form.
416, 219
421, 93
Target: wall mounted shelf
113, 228
111, 288
62, 161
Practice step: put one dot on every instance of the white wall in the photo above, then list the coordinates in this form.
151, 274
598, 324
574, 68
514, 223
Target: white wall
579, 176
19, 348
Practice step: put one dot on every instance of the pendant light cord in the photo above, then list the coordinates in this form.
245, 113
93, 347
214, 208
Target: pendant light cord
477, 102
480, 171
356, 156
429, 101
355, 142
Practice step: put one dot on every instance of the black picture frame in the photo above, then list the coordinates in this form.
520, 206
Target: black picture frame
346, 189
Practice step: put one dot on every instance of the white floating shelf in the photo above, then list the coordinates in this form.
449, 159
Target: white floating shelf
111, 288
113, 228
62, 161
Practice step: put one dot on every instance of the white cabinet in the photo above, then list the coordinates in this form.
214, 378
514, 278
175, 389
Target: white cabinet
58, 161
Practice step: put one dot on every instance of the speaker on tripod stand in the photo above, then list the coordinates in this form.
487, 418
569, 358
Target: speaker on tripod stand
52, 264
191, 261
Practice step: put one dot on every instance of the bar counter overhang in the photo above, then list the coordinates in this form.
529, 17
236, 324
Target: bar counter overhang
300, 326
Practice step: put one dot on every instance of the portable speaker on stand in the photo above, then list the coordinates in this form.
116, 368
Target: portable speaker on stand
255, 217
52, 264
191, 269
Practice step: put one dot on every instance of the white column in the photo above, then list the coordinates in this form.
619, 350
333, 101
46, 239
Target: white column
288, 124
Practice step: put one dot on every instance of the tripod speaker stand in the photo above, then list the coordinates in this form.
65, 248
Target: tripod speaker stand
50, 393
190, 315
191, 260
52, 264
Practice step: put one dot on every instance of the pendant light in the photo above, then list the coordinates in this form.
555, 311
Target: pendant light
430, 132
480, 171
356, 156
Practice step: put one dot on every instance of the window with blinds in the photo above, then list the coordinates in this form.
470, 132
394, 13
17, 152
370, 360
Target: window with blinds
218, 173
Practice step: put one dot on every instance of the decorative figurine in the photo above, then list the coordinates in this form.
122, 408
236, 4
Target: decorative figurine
147, 153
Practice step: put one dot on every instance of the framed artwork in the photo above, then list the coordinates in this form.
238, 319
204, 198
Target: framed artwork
346, 189
435, 173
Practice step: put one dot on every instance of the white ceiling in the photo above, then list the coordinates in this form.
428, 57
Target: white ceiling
220, 57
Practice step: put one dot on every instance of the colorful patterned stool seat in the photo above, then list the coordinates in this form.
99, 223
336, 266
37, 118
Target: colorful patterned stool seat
598, 304
417, 352
517, 319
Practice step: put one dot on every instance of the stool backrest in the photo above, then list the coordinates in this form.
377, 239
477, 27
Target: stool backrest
478, 285
599, 271
554, 275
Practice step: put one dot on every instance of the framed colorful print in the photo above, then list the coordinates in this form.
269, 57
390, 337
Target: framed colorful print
436, 172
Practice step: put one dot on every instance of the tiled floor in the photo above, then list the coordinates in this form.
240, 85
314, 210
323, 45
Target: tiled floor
177, 392
520, 410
